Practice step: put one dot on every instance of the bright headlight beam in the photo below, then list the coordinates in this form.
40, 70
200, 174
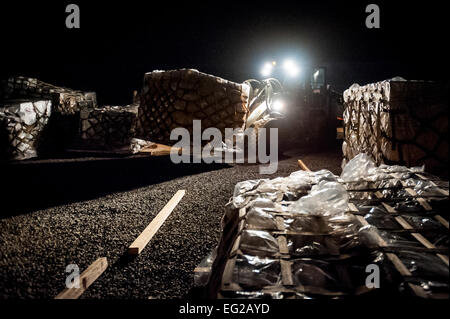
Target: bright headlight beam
291, 68
267, 69
288, 64
278, 105
293, 72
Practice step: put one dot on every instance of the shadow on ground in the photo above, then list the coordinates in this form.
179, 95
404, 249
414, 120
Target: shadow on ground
39, 184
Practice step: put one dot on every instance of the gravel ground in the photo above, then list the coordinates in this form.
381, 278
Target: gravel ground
89, 208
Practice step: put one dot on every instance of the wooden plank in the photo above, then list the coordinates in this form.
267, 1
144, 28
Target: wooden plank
403, 222
139, 244
227, 275
362, 220
423, 240
424, 204
401, 268
242, 212
352, 208
418, 290
440, 190
420, 238
411, 191
389, 208
280, 223
286, 272
202, 269
398, 264
417, 236
442, 220
422, 177
303, 166
378, 194
443, 258
380, 241
235, 247
421, 201
282, 245
160, 149
86, 279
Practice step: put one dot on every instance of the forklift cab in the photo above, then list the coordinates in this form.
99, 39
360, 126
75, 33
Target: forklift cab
318, 79
311, 117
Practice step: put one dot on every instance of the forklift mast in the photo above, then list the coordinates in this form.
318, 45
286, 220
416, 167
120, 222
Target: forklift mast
311, 118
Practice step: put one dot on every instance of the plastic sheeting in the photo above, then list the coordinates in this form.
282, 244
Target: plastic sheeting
326, 198
281, 188
258, 242
363, 168
254, 272
428, 271
300, 227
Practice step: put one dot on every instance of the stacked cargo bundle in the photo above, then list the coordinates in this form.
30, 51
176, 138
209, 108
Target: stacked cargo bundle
64, 100
404, 213
171, 99
108, 127
314, 235
22, 124
398, 122
61, 126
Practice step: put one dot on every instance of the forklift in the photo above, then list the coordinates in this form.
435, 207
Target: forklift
310, 114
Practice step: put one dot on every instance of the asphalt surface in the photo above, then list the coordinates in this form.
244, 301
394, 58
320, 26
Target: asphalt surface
73, 211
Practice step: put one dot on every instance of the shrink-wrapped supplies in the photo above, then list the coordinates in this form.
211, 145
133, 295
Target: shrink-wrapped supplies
29, 132
22, 125
316, 235
398, 122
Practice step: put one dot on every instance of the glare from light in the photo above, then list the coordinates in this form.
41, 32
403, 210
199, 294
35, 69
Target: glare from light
267, 69
291, 68
316, 74
274, 63
278, 105
293, 72
288, 64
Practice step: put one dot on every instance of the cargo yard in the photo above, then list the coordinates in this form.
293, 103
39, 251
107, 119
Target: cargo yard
106, 225
322, 176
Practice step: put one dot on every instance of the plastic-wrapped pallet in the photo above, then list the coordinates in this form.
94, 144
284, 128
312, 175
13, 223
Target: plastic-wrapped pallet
290, 237
108, 127
404, 212
65, 101
313, 234
398, 122
171, 99
22, 125
62, 128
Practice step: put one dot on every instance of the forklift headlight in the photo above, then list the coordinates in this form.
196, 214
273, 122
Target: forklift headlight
291, 68
267, 69
278, 105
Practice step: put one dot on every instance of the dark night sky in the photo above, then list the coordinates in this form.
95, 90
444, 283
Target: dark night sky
121, 40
